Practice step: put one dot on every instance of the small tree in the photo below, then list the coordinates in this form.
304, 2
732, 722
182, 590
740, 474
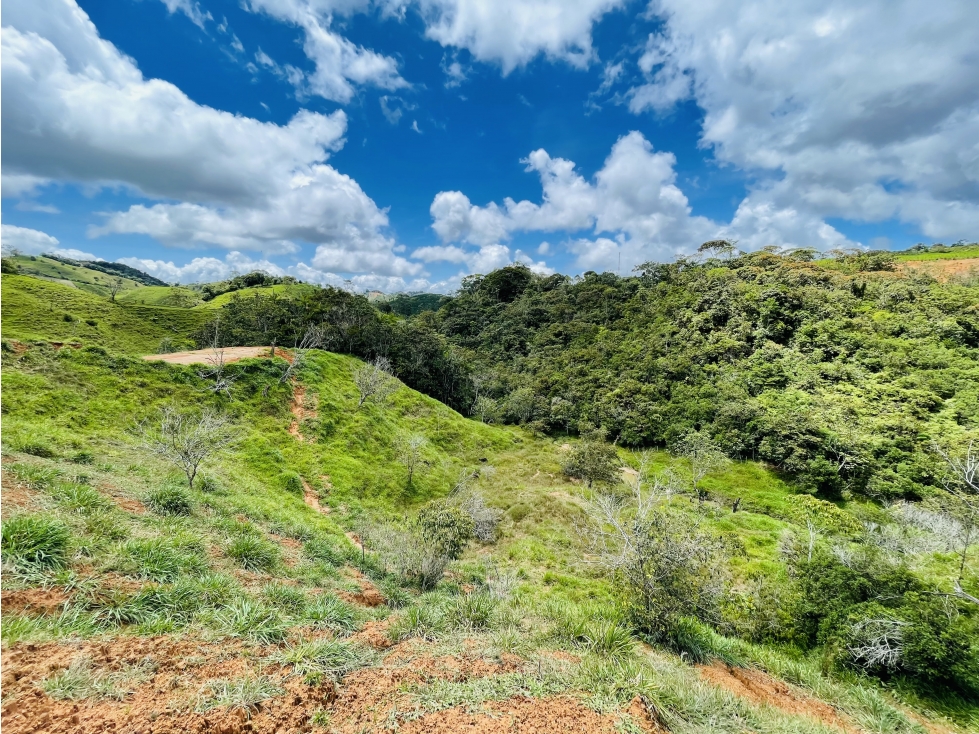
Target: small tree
446, 527
114, 287
703, 457
222, 381
592, 460
313, 338
374, 381
408, 449
962, 482
186, 439
667, 565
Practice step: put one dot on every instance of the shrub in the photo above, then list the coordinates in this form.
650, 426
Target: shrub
169, 500
35, 541
159, 559
292, 483
592, 460
446, 528
253, 552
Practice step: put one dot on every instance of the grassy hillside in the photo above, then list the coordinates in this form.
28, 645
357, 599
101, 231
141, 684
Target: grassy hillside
91, 281
35, 309
159, 295
293, 290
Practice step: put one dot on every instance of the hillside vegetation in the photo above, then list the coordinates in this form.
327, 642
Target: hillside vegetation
358, 556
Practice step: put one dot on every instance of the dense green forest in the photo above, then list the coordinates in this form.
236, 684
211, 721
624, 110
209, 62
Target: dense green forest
839, 373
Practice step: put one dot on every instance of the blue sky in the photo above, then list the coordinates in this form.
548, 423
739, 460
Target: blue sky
403, 145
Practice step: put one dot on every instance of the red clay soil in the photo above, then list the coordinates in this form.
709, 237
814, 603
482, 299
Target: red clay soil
559, 715
942, 270
310, 496
761, 688
32, 601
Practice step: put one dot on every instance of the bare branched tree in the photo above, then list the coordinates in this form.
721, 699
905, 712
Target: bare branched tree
703, 457
114, 287
374, 381
222, 381
962, 482
313, 338
187, 439
668, 565
465, 496
877, 643
408, 449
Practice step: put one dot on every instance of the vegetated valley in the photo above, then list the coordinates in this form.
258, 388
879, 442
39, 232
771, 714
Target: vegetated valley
733, 493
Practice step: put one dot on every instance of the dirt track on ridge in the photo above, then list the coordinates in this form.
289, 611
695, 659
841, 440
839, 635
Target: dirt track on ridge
205, 356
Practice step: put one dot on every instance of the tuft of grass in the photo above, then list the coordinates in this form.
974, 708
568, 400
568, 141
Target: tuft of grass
333, 658
169, 500
473, 611
609, 639
34, 475
237, 694
287, 598
79, 497
159, 559
253, 552
80, 681
34, 444
249, 619
333, 613
35, 542
423, 621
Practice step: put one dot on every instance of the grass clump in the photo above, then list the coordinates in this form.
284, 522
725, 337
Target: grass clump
249, 619
35, 542
80, 681
333, 613
160, 559
34, 476
287, 598
473, 611
317, 658
79, 498
237, 694
253, 553
422, 621
169, 500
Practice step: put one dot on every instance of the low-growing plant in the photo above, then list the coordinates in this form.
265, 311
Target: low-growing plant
249, 619
83, 457
608, 639
35, 541
334, 658
423, 621
253, 552
169, 500
79, 681
331, 612
287, 598
321, 549
34, 476
473, 611
237, 694
207, 483
159, 559
79, 497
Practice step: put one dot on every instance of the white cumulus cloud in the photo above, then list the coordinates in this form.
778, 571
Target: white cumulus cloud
78, 110
35, 242
865, 111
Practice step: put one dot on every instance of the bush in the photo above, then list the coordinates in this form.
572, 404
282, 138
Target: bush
593, 461
35, 541
292, 483
253, 553
446, 528
169, 500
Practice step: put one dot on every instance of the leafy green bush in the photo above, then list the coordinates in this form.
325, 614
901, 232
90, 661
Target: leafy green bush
169, 500
292, 483
253, 552
35, 541
447, 528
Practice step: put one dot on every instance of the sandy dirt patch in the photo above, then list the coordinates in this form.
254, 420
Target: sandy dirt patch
942, 270
761, 688
206, 356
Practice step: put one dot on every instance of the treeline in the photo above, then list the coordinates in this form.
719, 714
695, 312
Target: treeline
419, 356
254, 279
840, 373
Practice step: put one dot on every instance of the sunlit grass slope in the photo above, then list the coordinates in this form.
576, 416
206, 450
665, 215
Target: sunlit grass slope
293, 290
35, 309
160, 295
85, 279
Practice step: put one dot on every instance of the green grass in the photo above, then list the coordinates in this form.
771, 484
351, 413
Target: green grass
85, 279
285, 290
960, 253
160, 295
237, 694
314, 658
35, 541
37, 310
